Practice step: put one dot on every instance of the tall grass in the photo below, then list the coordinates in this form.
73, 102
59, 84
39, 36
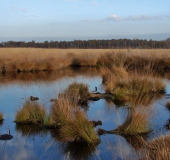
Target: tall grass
136, 87
31, 112
73, 122
137, 122
77, 93
32, 59
157, 149
79, 129
63, 111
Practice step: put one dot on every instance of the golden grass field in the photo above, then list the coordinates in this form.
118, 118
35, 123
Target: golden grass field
32, 59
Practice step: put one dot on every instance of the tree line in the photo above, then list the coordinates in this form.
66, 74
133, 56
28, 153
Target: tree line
91, 44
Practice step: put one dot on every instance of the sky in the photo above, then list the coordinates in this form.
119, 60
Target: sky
41, 20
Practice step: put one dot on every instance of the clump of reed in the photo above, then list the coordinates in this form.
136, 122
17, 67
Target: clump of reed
73, 122
48, 122
31, 112
137, 122
1, 116
136, 86
77, 93
62, 111
79, 129
112, 75
156, 149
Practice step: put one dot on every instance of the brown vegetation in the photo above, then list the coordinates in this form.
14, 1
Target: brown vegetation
31, 59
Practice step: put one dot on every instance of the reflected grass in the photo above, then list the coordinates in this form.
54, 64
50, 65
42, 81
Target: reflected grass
1, 116
30, 130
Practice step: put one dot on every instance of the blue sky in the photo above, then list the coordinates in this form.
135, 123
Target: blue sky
84, 19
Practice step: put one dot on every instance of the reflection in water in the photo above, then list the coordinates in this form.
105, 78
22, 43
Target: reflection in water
30, 130
42, 76
1, 122
136, 141
78, 151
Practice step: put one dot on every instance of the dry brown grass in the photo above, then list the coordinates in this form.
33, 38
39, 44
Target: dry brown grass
137, 122
32, 59
157, 149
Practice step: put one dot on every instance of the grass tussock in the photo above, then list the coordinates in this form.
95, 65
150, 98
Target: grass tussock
112, 76
31, 112
62, 111
79, 129
77, 92
157, 148
73, 123
1, 116
137, 88
137, 122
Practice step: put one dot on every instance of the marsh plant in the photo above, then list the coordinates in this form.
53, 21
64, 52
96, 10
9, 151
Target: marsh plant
111, 76
48, 121
137, 122
79, 129
139, 87
31, 112
157, 148
72, 121
62, 111
77, 93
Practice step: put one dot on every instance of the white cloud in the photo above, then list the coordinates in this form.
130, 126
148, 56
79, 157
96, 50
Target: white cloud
114, 18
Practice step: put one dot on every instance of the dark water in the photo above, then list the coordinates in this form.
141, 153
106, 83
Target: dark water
34, 143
